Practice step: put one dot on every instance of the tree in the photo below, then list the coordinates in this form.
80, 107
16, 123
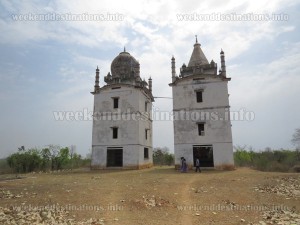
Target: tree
296, 141
22, 148
296, 138
46, 158
243, 157
54, 150
72, 153
54, 157
89, 154
158, 156
161, 156
25, 161
61, 158
76, 160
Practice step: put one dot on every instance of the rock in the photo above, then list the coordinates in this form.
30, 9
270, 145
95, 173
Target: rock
287, 186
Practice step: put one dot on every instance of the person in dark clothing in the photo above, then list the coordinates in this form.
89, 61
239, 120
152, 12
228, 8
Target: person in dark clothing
198, 165
181, 167
185, 167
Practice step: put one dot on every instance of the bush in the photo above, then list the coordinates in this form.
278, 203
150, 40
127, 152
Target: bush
162, 157
54, 158
4, 167
268, 160
243, 158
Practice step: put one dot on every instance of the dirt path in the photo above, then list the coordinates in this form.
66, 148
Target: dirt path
186, 200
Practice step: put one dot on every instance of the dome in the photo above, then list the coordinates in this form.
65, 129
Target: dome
124, 66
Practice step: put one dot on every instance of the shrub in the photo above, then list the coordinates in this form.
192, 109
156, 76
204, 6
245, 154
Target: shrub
54, 158
268, 160
163, 157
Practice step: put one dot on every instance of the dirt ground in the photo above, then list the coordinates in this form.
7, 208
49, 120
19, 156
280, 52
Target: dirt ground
158, 195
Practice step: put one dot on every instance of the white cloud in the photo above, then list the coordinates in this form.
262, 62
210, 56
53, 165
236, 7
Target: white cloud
152, 34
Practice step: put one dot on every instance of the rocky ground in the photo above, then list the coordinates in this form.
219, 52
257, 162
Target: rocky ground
152, 196
288, 187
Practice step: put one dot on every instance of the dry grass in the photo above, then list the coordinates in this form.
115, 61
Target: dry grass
159, 195
227, 167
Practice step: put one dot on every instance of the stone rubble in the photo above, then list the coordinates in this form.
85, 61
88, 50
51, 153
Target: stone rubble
155, 201
287, 186
282, 217
6, 194
11, 216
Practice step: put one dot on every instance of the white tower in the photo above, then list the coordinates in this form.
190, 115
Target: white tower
122, 125
202, 126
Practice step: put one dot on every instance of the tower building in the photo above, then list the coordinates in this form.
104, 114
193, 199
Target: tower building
202, 126
122, 123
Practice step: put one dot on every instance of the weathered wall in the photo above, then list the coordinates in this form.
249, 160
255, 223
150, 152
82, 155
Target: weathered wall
222, 153
131, 120
214, 111
215, 93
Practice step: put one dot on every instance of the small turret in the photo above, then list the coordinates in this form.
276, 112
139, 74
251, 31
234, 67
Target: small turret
223, 66
137, 70
150, 84
173, 69
97, 87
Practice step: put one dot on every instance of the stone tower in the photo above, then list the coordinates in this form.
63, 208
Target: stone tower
202, 126
122, 124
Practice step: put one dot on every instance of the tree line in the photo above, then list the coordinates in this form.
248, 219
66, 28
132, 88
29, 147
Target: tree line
56, 158
270, 160
49, 158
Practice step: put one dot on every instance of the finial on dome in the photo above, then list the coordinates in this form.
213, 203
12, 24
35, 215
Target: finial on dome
196, 39
124, 49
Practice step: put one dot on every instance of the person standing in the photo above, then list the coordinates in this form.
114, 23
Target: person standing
198, 165
181, 167
184, 166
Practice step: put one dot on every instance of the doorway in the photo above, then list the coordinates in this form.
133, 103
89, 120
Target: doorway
205, 155
114, 157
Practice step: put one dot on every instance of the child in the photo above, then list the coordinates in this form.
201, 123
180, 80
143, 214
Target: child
198, 165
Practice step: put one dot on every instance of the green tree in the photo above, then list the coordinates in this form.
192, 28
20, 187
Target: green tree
46, 158
162, 156
61, 159
25, 160
243, 157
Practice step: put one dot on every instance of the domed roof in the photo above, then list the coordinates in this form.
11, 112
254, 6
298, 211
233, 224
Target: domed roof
124, 66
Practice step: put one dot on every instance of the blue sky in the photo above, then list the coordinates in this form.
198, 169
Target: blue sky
48, 66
